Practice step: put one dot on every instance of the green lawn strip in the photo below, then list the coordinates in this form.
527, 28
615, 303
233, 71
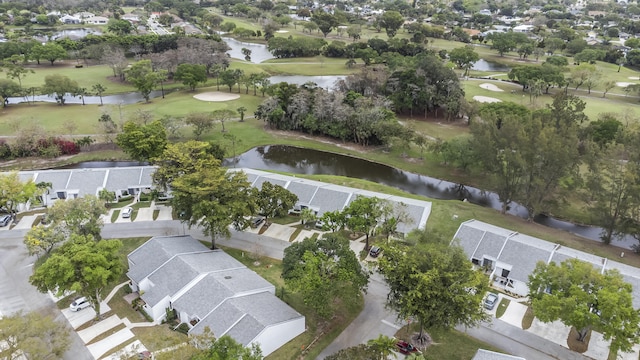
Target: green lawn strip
284, 220
155, 214
295, 234
107, 333
86, 76
35, 163
527, 319
134, 215
141, 204
502, 307
159, 337
114, 215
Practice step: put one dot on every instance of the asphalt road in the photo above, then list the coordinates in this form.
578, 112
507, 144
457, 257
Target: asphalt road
16, 294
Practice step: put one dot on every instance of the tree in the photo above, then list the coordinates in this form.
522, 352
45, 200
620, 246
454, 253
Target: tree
119, 27
114, 57
144, 78
14, 191
142, 142
191, 75
362, 215
107, 197
325, 272
464, 58
383, 347
32, 336
222, 116
214, 199
391, 21
231, 77
201, 122
247, 53
41, 240
325, 21
16, 71
8, 88
274, 200
502, 42
225, 348
608, 85
59, 86
433, 283
581, 73
82, 216
580, 295
82, 265
241, 110
99, 89
52, 52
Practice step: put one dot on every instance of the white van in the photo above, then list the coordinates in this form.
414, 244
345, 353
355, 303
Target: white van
126, 212
79, 304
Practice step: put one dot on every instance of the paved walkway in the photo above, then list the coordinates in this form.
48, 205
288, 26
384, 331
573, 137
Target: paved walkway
94, 331
514, 313
26, 222
165, 213
129, 351
99, 348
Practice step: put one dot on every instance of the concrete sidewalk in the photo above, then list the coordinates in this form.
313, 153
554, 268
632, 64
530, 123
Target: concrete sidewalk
94, 331
101, 347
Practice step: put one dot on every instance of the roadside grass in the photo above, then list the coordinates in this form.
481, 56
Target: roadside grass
141, 204
295, 234
284, 220
527, 319
155, 214
502, 307
447, 344
114, 215
134, 215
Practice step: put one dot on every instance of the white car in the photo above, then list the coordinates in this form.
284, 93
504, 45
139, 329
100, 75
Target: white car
79, 304
126, 212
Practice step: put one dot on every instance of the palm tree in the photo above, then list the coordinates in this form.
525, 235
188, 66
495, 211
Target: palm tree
383, 346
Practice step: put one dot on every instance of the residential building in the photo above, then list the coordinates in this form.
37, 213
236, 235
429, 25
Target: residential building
68, 19
97, 20
210, 289
509, 257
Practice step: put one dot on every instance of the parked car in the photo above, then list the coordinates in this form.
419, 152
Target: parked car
5, 220
256, 221
79, 304
490, 301
405, 347
375, 251
126, 212
143, 355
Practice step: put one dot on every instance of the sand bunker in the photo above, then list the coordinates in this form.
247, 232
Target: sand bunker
634, 78
486, 99
624, 84
216, 96
490, 87
282, 31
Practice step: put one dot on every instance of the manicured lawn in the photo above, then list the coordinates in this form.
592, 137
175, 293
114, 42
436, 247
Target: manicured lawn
502, 307
86, 76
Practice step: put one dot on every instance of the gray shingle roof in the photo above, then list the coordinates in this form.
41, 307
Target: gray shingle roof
263, 179
86, 181
123, 178
304, 191
170, 278
244, 318
153, 253
57, 178
329, 199
521, 252
490, 245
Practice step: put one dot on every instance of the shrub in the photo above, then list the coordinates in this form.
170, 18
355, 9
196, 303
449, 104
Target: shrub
5, 150
183, 328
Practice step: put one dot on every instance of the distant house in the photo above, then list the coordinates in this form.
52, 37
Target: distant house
510, 257
485, 12
209, 288
97, 20
68, 19
131, 18
84, 15
523, 28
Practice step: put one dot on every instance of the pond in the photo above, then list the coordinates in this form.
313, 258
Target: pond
124, 98
259, 52
326, 82
484, 65
314, 162
75, 33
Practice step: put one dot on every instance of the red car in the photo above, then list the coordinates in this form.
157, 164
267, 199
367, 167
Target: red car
405, 348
